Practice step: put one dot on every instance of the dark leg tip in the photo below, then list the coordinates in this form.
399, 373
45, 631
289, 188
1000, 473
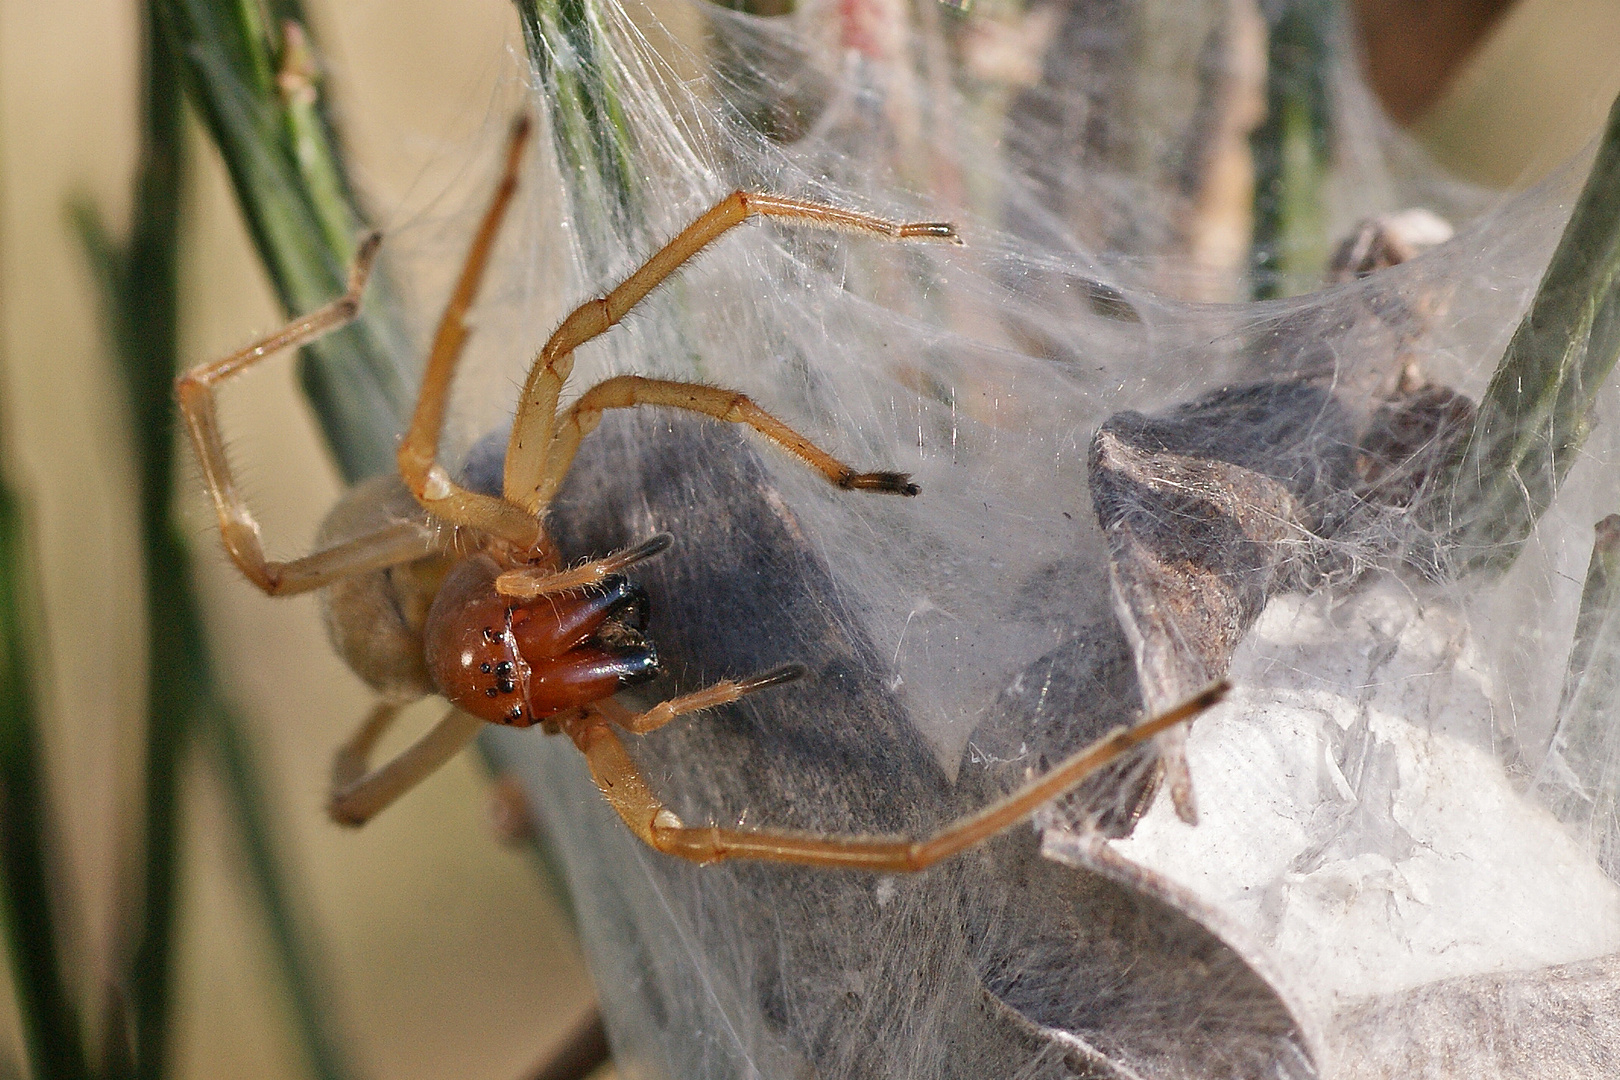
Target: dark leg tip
886, 483
932, 230
341, 815
775, 677
648, 548
1212, 695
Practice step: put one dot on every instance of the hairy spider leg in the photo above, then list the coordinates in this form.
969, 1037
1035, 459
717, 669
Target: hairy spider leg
359, 793
626, 789
729, 406
419, 449
239, 530
539, 455
529, 582
709, 697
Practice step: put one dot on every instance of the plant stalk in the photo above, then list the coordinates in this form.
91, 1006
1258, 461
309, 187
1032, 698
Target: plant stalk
1536, 412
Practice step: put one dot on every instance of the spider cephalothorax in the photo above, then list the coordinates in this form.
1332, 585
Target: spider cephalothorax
518, 662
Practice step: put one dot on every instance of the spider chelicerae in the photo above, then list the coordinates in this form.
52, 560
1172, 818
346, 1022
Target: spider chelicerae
431, 588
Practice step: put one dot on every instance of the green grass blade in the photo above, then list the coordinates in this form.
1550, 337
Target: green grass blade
568, 51
50, 1022
173, 697
1536, 412
1580, 781
1291, 150
142, 298
266, 115
284, 162
250, 806
142, 283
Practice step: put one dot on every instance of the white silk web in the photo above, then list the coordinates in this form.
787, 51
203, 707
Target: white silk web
1406, 806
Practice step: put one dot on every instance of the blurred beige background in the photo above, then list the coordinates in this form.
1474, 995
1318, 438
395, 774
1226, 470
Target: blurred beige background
448, 956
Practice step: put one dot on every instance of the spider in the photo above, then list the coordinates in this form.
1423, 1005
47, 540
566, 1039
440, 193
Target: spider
432, 588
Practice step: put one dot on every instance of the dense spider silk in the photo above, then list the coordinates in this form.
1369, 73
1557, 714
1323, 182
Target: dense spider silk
1366, 831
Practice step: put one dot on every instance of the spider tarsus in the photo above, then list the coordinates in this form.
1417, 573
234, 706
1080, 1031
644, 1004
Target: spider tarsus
931, 230
364, 255
647, 549
340, 814
1209, 697
775, 677
888, 483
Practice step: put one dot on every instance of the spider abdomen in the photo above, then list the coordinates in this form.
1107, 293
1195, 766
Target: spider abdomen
517, 662
375, 619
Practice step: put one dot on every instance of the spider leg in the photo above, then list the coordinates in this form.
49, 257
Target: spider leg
629, 391
237, 526
717, 694
527, 473
419, 450
628, 793
528, 582
359, 793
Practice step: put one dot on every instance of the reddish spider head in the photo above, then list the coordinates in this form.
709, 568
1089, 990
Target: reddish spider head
517, 662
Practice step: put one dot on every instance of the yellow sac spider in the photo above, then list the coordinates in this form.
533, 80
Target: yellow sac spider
432, 588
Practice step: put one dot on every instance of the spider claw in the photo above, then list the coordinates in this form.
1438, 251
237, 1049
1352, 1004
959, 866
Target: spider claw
775, 677
645, 550
887, 483
360, 271
931, 230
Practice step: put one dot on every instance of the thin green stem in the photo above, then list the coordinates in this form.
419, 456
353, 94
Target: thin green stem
1291, 150
183, 701
257, 89
143, 324
52, 1037
1580, 781
173, 697
1536, 412
249, 804
569, 52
